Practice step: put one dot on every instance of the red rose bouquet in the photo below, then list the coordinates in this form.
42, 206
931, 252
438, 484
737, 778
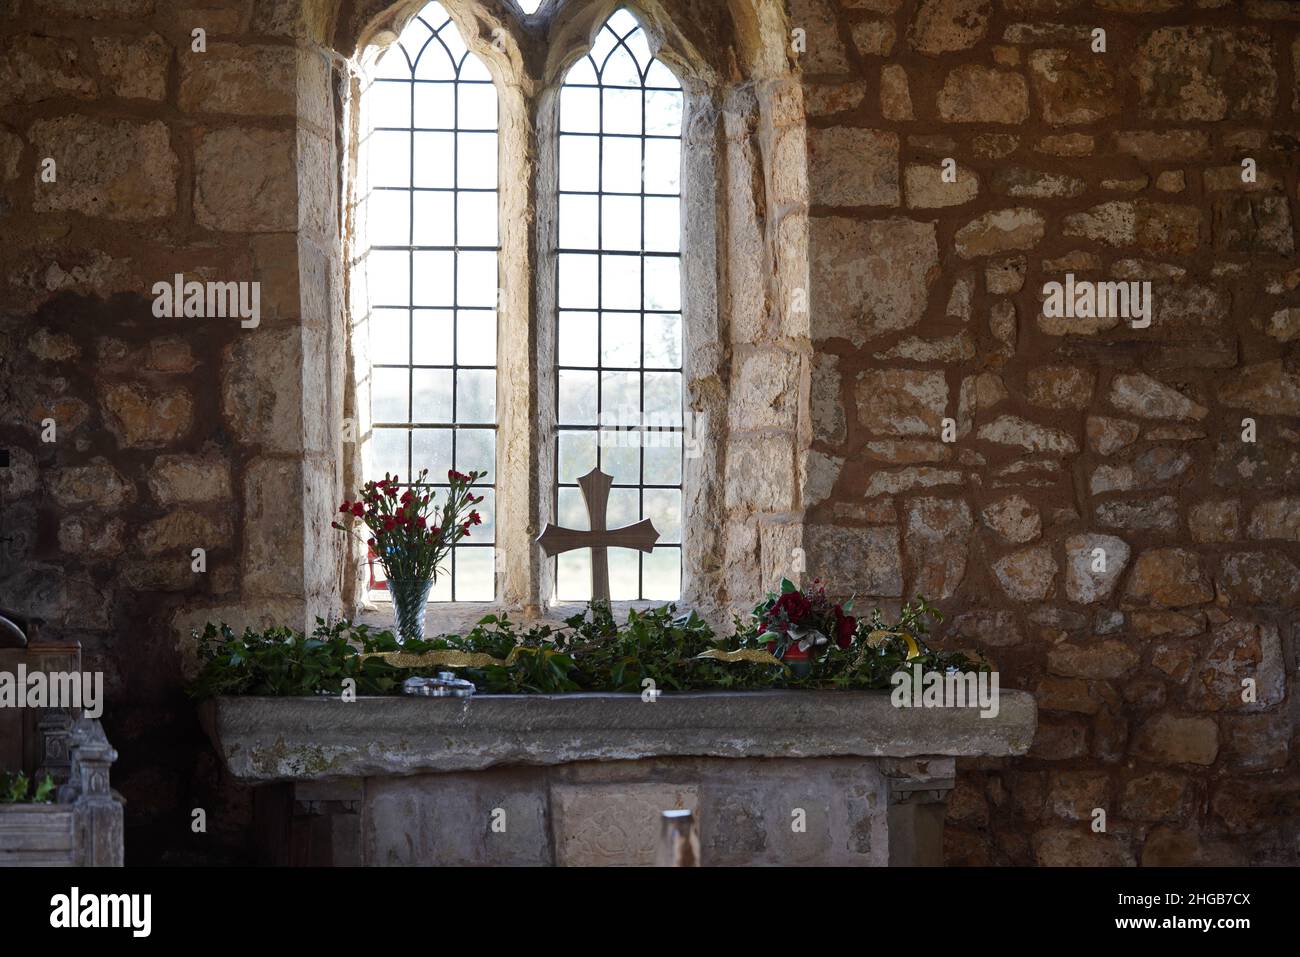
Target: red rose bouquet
797, 622
411, 535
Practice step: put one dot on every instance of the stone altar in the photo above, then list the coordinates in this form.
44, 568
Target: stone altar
774, 777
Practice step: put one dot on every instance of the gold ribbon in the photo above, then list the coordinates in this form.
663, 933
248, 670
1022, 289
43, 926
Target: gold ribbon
876, 638
455, 659
744, 654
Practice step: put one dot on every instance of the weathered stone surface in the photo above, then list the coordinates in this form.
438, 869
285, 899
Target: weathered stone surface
1067, 144
1158, 227
1073, 847
240, 79
276, 739
1239, 650
910, 479
1038, 34
1256, 742
117, 169
1004, 325
1073, 794
823, 99
1091, 576
1166, 624
824, 52
992, 628
995, 145
1260, 578
189, 479
96, 9
272, 529
1001, 231
943, 26
1170, 739
1202, 73
978, 94
1014, 519
1139, 394
245, 180
135, 68
827, 410
91, 535
1156, 796
1012, 430
11, 151
1189, 309
1267, 388
1283, 325
1171, 181
869, 278
1253, 224
1153, 515
1006, 276
98, 484
766, 386
1026, 575
1215, 521
1169, 576
1276, 518
1061, 387
760, 474
865, 561
1019, 182
949, 349
614, 824
873, 37
182, 530
902, 402
1254, 804
1150, 469
1073, 86
261, 391
141, 419
1066, 694
926, 189
1165, 146
853, 167
907, 451
936, 535
895, 93
33, 69
818, 476
1107, 659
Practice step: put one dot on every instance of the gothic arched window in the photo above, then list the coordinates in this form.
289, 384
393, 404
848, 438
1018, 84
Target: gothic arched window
619, 292
427, 158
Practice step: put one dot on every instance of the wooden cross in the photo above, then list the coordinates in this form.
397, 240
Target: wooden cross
554, 539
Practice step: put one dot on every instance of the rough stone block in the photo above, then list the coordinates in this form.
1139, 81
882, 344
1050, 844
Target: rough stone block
115, 169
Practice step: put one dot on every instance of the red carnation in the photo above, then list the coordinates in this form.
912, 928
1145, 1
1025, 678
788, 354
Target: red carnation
845, 627
794, 605
475, 518
358, 509
345, 507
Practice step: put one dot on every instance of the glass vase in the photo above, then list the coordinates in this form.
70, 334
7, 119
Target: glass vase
409, 597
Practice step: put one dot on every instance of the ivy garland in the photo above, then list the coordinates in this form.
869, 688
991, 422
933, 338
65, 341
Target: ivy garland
592, 652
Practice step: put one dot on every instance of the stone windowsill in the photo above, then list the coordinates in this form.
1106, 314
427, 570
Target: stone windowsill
284, 739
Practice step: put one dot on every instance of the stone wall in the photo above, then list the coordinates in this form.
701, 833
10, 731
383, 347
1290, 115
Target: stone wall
168, 434
1071, 434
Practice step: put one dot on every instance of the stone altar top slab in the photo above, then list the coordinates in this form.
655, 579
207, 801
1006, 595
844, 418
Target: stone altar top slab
295, 739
